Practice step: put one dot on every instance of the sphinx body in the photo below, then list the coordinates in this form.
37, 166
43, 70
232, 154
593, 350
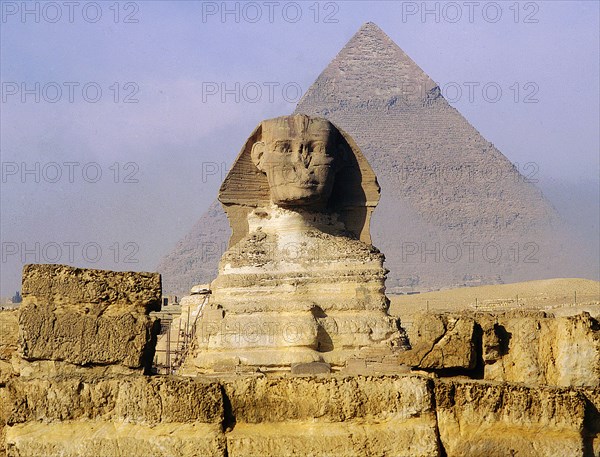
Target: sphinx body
300, 281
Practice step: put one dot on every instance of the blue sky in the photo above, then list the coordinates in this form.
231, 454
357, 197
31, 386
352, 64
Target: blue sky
164, 58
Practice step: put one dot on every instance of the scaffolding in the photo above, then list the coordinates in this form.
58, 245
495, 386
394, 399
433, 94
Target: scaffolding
176, 349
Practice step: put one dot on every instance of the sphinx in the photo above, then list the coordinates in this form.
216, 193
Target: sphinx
300, 281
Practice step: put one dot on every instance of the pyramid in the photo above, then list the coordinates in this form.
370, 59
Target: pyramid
454, 210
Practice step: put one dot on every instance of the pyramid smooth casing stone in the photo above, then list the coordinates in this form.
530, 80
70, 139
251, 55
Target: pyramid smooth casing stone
88, 317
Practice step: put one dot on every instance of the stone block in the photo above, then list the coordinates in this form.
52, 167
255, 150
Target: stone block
541, 348
412, 438
109, 439
311, 368
329, 398
497, 420
441, 341
48, 332
88, 317
326, 416
9, 333
64, 285
136, 399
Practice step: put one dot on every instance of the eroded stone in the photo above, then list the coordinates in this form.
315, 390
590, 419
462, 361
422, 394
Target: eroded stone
88, 317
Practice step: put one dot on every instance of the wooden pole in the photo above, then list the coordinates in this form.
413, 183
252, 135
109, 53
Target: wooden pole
168, 361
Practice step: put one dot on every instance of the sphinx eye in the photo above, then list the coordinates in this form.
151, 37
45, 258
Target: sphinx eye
284, 148
317, 147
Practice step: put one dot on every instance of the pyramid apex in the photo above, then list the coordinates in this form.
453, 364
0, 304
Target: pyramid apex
369, 26
370, 67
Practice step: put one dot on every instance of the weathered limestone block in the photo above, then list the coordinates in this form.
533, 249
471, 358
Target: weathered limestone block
331, 398
45, 369
592, 420
324, 416
65, 285
413, 438
276, 416
312, 368
540, 348
498, 420
441, 341
110, 439
88, 317
124, 416
49, 334
9, 333
267, 330
4, 405
139, 399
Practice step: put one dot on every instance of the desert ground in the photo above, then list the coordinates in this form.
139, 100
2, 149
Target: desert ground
561, 296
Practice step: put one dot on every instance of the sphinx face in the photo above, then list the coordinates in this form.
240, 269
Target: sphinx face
298, 156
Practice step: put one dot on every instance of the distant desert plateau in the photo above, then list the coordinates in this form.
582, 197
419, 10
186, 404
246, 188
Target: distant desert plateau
561, 296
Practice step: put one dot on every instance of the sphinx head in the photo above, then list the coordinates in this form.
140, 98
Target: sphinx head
300, 156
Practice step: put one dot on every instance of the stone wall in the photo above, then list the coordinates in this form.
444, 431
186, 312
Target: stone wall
519, 346
482, 384
92, 412
400, 415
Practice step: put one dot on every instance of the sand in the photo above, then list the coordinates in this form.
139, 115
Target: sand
562, 296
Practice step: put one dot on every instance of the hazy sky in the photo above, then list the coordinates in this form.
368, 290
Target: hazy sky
119, 120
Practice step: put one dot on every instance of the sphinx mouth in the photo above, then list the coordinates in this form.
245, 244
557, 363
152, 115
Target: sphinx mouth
307, 186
